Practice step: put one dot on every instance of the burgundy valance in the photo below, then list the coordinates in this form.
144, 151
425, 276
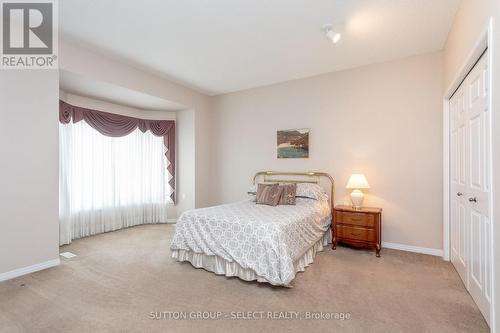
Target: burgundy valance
115, 125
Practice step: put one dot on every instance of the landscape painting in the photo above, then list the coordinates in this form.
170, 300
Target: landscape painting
293, 143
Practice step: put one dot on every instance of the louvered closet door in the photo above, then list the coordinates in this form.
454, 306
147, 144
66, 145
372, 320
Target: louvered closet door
469, 166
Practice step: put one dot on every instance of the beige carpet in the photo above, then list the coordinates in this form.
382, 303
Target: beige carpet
119, 278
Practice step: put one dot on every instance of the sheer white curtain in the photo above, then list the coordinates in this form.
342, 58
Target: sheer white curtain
109, 183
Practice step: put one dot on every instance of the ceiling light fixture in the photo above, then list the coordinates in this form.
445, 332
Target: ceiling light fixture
332, 35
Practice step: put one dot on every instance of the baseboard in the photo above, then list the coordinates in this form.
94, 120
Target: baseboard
416, 249
29, 269
171, 220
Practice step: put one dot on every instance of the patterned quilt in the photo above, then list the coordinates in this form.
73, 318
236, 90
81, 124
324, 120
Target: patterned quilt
265, 239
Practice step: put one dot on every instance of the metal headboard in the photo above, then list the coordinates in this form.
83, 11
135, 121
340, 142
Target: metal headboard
311, 177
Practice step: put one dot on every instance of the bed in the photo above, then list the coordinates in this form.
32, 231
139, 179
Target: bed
257, 242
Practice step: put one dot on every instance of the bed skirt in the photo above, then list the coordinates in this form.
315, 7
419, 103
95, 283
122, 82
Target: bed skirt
221, 266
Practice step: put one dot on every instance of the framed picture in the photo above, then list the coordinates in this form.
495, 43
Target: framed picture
293, 143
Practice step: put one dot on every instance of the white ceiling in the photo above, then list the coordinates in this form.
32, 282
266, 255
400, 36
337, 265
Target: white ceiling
219, 46
84, 86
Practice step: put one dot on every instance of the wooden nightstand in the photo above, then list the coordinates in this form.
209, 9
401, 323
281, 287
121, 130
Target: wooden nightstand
362, 228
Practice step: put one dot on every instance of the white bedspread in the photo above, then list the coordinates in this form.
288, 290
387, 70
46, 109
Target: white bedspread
267, 240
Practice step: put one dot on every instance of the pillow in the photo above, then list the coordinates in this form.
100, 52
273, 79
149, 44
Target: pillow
252, 190
313, 191
269, 194
288, 195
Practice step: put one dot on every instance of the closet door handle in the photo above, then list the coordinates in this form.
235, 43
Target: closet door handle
459, 194
473, 199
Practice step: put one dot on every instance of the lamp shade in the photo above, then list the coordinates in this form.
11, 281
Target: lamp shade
357, 181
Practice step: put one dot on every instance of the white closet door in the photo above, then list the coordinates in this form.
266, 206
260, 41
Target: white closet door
478, 185
459, 244
470, 206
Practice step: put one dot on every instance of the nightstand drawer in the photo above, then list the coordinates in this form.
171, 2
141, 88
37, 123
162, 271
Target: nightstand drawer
361, 219
356, 233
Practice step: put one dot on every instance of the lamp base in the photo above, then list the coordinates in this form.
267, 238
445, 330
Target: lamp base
357, 199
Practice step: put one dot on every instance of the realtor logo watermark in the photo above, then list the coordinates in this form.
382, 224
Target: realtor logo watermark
29, 34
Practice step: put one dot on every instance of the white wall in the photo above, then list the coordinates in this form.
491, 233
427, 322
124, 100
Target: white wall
95, 104
186, 159
470, 21
29, 168
382, 120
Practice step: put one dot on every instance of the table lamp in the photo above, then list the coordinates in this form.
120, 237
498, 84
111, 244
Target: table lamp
357, 182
